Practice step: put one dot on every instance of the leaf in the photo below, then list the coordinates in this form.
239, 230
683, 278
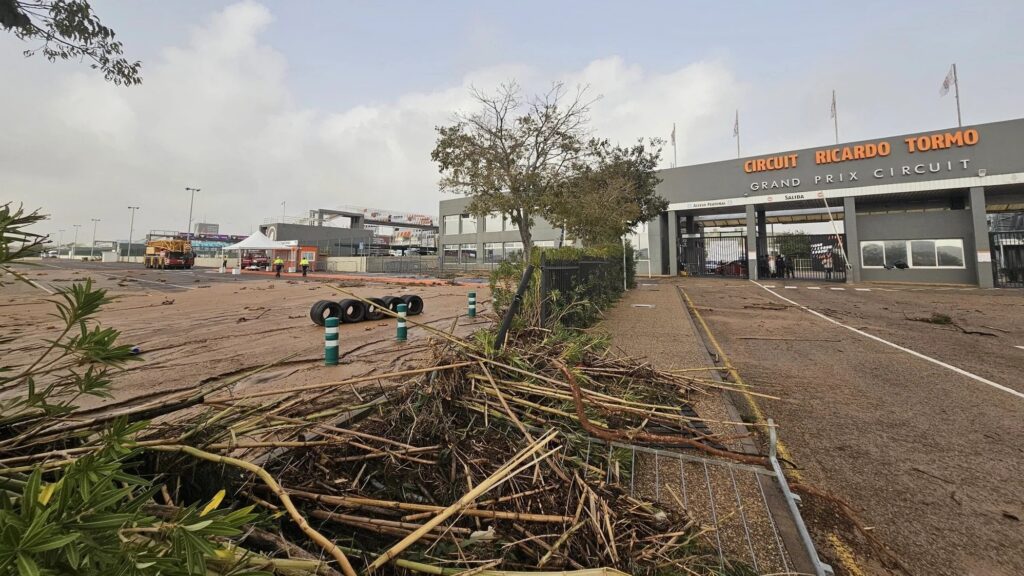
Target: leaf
59, 542
27, 566
198, 525
214, 502
47, 492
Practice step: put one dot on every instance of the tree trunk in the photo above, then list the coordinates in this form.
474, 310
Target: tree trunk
525, 235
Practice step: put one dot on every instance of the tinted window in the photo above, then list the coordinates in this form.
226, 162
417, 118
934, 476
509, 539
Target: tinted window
922, 252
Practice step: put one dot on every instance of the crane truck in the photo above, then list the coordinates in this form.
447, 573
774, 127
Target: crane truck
169, 253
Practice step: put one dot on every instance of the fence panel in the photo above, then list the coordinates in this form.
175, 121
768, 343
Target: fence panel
1007, 259
803, 257
591, 279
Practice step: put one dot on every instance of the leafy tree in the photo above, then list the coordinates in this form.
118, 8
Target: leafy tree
68, 29
611, 193
794, 244
512, 154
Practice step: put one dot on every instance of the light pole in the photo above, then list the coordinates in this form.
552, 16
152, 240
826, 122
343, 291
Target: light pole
75, 243
60, 241
92, 249
282, 212
188, 232
131, 228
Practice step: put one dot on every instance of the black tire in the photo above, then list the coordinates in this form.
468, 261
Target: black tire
414, 304
322, 310
392, 302
352, 310
375, 312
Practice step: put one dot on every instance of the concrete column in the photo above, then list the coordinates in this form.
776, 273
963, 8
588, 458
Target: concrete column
691, 224
752, 242
673, 243
852, 241
657, 230
983, 257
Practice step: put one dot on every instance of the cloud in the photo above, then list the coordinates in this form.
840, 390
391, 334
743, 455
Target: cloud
218, 113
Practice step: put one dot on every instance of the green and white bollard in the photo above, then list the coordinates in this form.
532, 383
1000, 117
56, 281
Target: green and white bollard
331, 342
403, 331
472, 305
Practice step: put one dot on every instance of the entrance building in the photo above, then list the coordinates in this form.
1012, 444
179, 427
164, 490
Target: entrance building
930, 207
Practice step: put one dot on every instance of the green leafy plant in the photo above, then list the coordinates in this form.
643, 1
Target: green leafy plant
71, 499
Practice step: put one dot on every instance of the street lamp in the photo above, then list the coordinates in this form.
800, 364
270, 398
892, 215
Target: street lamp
60, 241
282, 212
74, 245
188, 232
92, 249
131, 228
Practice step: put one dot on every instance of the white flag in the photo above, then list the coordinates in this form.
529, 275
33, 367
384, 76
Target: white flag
833, 114
950, 79
673, 133
736, 126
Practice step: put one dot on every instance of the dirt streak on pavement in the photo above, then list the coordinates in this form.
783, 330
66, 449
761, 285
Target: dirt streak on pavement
931, 459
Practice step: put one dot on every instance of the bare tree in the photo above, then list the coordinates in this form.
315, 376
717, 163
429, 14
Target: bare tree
511, 156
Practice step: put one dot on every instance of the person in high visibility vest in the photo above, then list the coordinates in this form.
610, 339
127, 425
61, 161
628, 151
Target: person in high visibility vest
305, 265
278, 264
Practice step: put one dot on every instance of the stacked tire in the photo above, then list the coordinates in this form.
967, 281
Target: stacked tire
350, 310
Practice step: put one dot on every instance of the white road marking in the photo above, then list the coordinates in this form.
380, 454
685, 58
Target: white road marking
960, 371
814, 287
837, 288
863, 289
790, 287
1021, 347
770, 286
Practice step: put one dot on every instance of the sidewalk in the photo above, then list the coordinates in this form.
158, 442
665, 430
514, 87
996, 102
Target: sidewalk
746, 507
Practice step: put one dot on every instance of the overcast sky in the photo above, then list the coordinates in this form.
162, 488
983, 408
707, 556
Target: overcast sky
322, 104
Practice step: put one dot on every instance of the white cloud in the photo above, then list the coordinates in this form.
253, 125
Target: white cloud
217, 112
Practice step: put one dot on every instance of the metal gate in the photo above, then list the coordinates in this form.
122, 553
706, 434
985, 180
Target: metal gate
803, 257
713, 255
1007, 259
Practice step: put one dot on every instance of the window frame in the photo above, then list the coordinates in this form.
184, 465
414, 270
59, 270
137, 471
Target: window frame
458, 224
470, 219
908, 250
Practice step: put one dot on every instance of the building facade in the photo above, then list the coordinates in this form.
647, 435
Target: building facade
910, 208
468, 238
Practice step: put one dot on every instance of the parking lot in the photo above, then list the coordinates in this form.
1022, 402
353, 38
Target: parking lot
903, 401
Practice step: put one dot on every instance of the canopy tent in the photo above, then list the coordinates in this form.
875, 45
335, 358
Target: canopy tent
258, 241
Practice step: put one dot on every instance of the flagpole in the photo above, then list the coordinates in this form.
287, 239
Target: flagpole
835, 115
737, 133
675, 159
956, 88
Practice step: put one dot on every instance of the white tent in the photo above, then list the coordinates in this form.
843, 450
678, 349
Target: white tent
257, 241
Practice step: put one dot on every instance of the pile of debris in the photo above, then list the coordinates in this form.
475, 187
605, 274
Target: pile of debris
480, 462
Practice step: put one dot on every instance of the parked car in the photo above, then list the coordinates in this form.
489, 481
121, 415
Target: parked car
734, 268
51, 254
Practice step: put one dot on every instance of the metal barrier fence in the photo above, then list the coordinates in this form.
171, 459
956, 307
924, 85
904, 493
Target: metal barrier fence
1007, 259
566, 280
803, 257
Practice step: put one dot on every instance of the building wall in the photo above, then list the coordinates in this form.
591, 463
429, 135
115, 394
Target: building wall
339, 241
542, 230
726, 183
916, 226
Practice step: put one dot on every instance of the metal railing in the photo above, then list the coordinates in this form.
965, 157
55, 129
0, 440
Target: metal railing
1007, 259
563, 281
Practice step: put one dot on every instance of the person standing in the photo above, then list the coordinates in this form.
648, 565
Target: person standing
826, 261
305, 265
780, 266
278, 265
